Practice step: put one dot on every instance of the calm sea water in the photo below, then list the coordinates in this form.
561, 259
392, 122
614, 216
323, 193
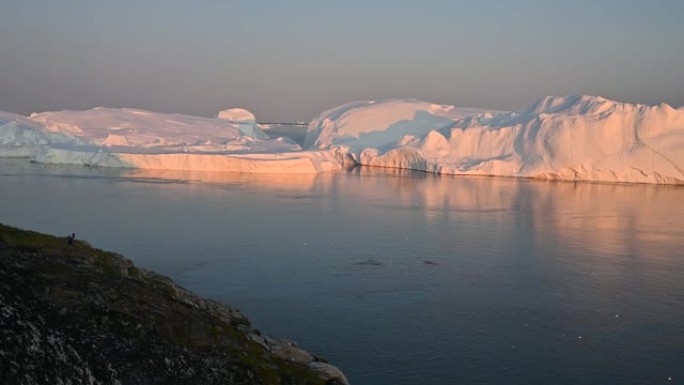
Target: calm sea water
402, 278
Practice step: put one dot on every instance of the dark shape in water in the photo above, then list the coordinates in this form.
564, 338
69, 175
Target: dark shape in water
369, 262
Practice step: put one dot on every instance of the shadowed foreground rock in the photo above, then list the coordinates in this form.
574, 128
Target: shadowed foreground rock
80, 315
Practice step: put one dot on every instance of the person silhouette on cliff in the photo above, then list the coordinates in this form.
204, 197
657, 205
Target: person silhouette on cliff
70, 239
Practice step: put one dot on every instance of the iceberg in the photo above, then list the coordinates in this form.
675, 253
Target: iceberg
379, 124
134, 129
21, 137
573, 138
133, 138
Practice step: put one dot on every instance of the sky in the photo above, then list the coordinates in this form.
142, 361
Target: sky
288, 61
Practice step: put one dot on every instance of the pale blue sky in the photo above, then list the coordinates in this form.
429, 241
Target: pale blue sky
289, 60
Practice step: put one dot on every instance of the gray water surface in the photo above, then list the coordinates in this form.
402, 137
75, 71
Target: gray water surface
399, 277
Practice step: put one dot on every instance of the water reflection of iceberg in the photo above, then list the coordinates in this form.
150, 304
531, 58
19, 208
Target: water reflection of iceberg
608, 218
296, 182
433, 192
613, 219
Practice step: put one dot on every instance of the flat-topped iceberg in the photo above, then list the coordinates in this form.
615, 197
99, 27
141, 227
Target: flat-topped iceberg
133, 138
128, 129
566, 138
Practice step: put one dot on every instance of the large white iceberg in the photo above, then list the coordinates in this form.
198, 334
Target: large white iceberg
567, 138
124, 137
127, 128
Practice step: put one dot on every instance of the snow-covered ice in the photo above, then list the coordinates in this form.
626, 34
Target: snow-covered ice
132, 138
22, 137
561, 138
239, 115
379, 124
573, 138
132, 130
245, 120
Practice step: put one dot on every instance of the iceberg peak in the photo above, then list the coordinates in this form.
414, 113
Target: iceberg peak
237, 115
576, 104
381, 122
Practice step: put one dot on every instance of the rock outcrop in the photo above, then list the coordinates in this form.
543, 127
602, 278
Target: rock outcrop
74, 314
